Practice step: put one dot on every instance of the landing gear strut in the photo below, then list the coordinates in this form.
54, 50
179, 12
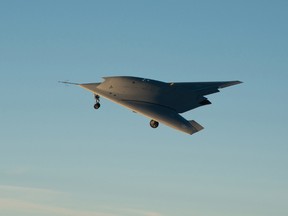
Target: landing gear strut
154, 124
97, 104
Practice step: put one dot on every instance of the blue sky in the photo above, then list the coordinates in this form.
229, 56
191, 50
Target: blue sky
60, 157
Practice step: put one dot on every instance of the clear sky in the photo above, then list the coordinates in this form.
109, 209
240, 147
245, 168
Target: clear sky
60, 157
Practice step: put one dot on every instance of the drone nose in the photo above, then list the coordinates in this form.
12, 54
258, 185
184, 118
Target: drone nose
90, 86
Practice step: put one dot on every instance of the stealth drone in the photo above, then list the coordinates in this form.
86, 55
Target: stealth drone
159, 101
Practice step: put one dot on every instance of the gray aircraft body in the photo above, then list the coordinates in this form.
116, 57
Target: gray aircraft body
160, 101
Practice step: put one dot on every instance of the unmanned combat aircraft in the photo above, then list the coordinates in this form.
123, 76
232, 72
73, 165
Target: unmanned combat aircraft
159, 101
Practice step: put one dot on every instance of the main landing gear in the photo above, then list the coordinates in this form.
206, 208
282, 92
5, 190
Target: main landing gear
154, 124
97, 104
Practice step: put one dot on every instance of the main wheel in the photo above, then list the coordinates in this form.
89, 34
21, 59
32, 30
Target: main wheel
97, 106
154, 124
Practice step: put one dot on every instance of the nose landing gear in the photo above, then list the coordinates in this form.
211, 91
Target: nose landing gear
97, 104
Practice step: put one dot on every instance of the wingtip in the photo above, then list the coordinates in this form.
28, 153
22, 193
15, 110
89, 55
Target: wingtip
236, 82
230, 83
196, 127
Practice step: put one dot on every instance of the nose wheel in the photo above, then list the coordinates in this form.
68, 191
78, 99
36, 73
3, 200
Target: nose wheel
97, 104
154, 124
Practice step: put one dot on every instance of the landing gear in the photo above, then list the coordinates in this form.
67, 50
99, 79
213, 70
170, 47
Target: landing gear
97, 104
154, 124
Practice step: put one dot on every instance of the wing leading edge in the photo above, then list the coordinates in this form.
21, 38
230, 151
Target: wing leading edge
164, 115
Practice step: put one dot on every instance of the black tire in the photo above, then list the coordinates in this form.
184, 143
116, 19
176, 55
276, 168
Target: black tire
97, 106
154, 124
